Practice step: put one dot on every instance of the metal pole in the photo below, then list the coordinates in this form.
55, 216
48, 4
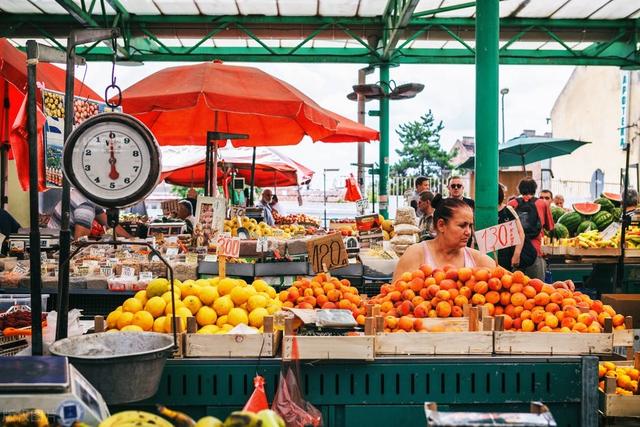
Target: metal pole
207, 169
4, 149
253, 175
487, 69
362, 79
384, 141
34, 227
502, 93
623, 231
324, 194
65, 232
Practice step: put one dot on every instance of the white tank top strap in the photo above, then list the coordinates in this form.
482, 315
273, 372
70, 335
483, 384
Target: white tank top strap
468, 258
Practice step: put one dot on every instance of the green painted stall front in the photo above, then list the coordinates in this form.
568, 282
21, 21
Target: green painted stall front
391, 391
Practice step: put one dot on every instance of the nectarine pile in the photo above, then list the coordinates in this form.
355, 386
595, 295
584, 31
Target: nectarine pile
323, 291
527, 304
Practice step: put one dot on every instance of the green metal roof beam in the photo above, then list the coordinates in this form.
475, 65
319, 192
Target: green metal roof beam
558, 39
207, 37
118, 7
77, 13
255, 38
516, 37
458, 39
445, 9
396, 17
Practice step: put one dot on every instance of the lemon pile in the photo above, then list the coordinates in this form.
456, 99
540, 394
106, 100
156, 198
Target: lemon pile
218, 305
259, 229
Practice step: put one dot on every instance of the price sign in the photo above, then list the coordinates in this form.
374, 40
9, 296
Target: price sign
191, 258
172, 251
228, 246
236, 211
498, 237
112, 261
21, 268
610, 231
362, 205
145, 276
106, 271
327, 252
128, 271
263, 244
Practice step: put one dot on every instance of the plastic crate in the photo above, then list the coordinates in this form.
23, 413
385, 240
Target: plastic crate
9, 300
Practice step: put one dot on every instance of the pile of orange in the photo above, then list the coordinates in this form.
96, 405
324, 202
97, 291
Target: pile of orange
626, 377
323, 291
527, 304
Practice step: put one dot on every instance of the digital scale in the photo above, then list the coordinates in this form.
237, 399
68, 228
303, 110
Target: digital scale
52, 384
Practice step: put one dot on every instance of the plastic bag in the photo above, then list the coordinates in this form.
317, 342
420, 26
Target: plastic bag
353, 191
73, 326
291, 406
404, 229
258, 399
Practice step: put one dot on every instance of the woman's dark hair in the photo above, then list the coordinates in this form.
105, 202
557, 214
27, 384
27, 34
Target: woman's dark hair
446, 208
500, 194
527, 187
437, 199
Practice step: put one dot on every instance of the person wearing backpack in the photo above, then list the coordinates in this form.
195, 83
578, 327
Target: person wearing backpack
535, 216
512, 257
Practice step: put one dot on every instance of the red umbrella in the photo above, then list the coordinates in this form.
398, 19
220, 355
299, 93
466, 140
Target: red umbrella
186, 166
178, 105
13, 89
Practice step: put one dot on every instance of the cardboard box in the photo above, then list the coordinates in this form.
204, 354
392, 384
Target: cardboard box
626, 304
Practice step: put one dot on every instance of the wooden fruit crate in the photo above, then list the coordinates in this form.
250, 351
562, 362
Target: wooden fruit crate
232, 345
556, 343
356, 347
615, 405
593, 252
471, 334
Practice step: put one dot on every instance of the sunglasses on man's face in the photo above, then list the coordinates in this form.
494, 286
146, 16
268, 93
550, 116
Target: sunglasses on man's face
456, 185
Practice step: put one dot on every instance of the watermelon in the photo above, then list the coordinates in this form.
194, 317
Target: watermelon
602, 219
617, 214
606, 204
586, 226
560, 232
556, 213
615, 198
587, 208
571, 220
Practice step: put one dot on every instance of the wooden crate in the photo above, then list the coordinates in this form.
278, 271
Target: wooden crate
232, 345
471, 334
593, 252
615, 405
557, 343
357, 347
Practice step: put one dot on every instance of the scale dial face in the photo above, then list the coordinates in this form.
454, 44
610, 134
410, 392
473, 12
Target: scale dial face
112, 159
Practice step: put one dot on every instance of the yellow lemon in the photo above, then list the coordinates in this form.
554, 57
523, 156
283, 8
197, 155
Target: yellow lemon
193, 303
222, 320
256, 317
142, 296
208, 329
237, 316
112, 319
169, 308
208, 294
189, 287
271, 292
155, 306
111, 330
157, 287
158, 324
132, 328
226, 285
202, 282
144, 319
167, 296
132, 305
124, 319
260, 285
206, 316
213, 281
241, 282
184, 312
227, 327
257, 301
272, 308
223, 305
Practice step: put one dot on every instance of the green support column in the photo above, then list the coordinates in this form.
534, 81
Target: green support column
487, 63
384, 143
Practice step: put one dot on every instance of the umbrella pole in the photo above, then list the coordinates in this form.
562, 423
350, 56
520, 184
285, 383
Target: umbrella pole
207, 169
253, 175
4, 149
620, 269
214, 178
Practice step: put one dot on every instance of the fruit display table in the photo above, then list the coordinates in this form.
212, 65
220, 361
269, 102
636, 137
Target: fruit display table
598, 273
391, 391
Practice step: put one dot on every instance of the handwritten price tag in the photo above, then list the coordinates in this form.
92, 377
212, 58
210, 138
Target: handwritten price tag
228, 246
327, 252
498, 237
237, 211
362, 204
128, 271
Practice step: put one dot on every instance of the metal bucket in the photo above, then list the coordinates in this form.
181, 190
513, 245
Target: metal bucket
123, 366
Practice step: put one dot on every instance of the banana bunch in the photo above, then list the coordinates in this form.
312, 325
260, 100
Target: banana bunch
264, 418
593, 239
293, 229
135, 419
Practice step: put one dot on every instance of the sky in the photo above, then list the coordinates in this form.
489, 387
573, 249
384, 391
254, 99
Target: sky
449, 93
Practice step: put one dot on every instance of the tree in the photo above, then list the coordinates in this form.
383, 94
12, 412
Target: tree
421, 152
181, 191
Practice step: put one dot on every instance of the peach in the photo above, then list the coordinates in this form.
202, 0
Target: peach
594, 328
408, 294
585, 318
418, 324
432, 313
609, 310
416, 284
518, 310
329, 305
490, 308
492, 297
345, 304
506, 280
526, 314
517, 324
464, 274
537, 284
494, 284
542, 299
518, 277
529, 291
466, 292
545, 329
422, 309
556, 297
507, 321
529, 304
447, 284
568, 301
481, 287
618, 320
418, 274
499, 310
579, 327
443, 309
405, 308
451, 274
478, 299
551, 320
456, 311
537, 316
481, 274
510, 310
571, 311
406, 276
443, 295
552, 307
527, 325
498, 272
405, 323
548, 289
518, 299
393, 296
505, 298
417, 300
460, 300
454, 292
516, 287
439, 276
433, 290
426, 269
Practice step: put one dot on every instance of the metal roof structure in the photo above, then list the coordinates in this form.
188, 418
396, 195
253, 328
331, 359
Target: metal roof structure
568, 32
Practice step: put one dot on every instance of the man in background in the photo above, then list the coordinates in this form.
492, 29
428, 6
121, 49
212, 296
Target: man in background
546, 195
456, 191
185, 213
427, 231
265, 204
558, 201
422, 184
